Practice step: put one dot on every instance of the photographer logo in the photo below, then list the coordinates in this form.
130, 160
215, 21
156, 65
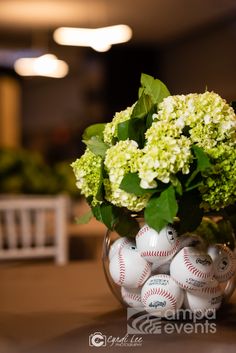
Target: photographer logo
97, 339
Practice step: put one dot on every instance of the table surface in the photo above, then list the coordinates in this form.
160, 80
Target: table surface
45, 309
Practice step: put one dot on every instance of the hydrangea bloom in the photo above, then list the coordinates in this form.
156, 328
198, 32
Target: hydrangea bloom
110, 131
87, 170
165, 154
209, 118
219, 188
122, 159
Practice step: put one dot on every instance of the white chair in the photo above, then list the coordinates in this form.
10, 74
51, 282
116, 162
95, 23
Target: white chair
33, 227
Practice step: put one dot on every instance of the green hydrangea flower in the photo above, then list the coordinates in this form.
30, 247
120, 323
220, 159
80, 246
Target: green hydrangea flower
207, 117
165, 153
219, 188
121, 159
110, 131
87, 170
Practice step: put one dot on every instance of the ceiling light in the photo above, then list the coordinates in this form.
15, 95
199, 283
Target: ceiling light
99, 39
46, 65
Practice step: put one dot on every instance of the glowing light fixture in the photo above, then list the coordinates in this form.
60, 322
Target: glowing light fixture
46, 65
100, 39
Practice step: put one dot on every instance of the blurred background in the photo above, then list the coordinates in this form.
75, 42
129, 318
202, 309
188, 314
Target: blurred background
190, 45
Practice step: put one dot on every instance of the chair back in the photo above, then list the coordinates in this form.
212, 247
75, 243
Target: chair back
33, 227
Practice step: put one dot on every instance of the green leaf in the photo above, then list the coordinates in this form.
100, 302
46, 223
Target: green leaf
93, 130
106, 213
131, 184
123, 130
190, 213
109, 215
140, 91
162, 209
85, 218
203, 163
117, 219
142, 107
149, 119
133, 129
177, 184
100, 191
97, 212
155, 88
96, 145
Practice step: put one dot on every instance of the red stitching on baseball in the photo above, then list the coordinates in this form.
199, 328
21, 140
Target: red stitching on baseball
160, 252
144, 274
193, 269
226, 276
132, 296
161, 292
122, 268
142, 231
126, 241
210, 290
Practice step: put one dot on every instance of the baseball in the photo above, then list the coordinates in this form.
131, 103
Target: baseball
224, 262
127, 268
207, 298
160, 295
191, 269
119, 244
132, 297
157, 247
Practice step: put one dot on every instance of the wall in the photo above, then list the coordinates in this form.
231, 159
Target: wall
203, 59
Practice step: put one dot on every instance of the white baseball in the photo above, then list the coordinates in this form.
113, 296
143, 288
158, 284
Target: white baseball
224, 262
160, 295
132, 297
191, 269
127, 268
119, 244
157, 247
207, 298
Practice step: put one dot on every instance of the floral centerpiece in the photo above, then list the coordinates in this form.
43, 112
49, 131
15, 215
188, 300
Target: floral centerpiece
167, 157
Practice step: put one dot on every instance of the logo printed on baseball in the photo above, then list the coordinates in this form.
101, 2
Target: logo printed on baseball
157, 304
191, 264
204, 262
163, 293
209, 297
171, 235
157, 247
160, 294
224, 262
161, 281
191, 268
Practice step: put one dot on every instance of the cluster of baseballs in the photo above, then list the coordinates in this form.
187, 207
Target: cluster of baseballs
162, 272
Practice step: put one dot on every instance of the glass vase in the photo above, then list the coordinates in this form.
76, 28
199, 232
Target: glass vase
187, 239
